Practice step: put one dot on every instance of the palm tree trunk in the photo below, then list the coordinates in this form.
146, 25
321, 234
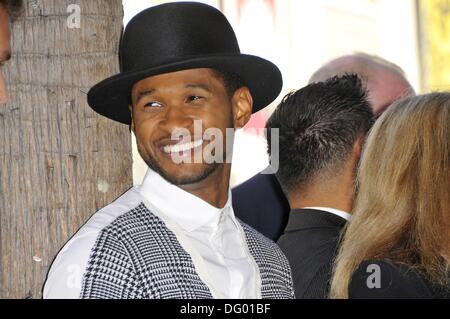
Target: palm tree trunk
59, 161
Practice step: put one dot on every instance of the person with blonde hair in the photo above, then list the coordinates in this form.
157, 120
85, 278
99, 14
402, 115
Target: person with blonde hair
398, 243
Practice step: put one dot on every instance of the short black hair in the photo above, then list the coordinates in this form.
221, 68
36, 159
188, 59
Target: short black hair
13, 7
231, 80
318, 126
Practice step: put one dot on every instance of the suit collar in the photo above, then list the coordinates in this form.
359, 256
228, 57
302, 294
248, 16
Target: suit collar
300, 219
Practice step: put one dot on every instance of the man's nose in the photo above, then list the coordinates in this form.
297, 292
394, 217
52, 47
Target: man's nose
175, 118
4, 98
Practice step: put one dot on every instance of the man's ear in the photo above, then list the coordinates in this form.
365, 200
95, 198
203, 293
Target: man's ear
358, 147
355, 156
242, 106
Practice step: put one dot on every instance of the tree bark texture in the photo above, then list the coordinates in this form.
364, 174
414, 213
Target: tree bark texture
59, 161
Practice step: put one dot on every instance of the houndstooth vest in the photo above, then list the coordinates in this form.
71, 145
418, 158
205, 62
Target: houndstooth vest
138, 257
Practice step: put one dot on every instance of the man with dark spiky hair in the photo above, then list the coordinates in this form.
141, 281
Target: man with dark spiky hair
322, 128
9, 10
385, 83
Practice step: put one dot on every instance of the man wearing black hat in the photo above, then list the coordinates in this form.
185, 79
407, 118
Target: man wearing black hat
183, 81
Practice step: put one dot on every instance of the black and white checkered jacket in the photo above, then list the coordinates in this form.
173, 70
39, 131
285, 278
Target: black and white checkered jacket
136, 256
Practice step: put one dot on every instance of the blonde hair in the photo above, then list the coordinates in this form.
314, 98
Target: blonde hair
402, 209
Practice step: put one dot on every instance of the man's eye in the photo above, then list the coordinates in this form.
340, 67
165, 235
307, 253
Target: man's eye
194, 98
153, 105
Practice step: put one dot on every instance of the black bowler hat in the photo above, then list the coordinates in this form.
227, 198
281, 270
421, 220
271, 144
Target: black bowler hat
179, 36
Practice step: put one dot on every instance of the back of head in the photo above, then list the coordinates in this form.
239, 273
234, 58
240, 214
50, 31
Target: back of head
318, 126
359, 63
402, 210
385, 81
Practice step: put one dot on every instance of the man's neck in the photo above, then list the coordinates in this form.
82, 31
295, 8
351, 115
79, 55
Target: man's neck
337, 193
214, 189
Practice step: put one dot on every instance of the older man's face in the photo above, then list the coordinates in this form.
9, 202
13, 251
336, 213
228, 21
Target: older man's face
5, 51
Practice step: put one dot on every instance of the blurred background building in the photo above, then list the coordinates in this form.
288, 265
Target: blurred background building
301, 35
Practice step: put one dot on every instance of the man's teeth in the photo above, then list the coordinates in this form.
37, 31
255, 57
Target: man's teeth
182, 147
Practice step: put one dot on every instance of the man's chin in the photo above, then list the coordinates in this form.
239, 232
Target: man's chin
185, 174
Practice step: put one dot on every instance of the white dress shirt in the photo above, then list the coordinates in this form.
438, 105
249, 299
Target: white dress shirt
211, 236
333, 211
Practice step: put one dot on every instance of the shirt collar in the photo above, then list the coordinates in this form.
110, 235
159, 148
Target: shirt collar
334, 211
307, 219
187, 210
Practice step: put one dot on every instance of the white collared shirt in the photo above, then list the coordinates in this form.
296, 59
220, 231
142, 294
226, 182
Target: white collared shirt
211, 236
333, 211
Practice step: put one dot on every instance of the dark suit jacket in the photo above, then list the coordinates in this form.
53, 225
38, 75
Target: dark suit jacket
310, 243
396, 282
260, 203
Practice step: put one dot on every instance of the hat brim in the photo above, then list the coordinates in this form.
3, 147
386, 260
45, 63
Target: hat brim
111, 97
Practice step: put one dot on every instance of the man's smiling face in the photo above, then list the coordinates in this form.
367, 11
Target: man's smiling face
169, 103
5, 50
